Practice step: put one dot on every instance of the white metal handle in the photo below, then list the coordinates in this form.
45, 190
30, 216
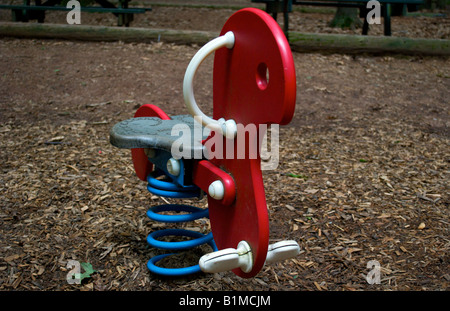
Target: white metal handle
226, 127
241, 257
228, 259
282, 250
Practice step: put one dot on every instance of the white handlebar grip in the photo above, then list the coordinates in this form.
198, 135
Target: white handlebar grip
228, 128
282, 250
228, 259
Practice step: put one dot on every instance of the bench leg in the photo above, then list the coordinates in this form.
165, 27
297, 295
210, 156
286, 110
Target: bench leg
16, 15
25, 13
365, 28
387, 19
40, 15
363, 11
286, 19
124, 19
271, 8
275, 7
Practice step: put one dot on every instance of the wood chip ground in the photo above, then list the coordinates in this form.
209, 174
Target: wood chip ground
363, 172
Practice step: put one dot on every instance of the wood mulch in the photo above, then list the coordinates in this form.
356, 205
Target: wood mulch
363, 172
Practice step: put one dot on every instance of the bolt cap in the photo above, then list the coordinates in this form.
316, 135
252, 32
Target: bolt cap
173, 167
216, 190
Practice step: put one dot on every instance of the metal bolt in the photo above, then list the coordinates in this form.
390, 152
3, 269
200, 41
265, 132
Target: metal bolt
216, 190
173, 167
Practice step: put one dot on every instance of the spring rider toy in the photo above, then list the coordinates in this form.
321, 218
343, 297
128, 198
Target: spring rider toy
253, 84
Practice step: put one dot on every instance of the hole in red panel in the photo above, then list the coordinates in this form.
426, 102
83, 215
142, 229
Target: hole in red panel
262, 76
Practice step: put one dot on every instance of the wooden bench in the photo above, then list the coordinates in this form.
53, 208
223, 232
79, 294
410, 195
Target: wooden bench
27, 12
285, 6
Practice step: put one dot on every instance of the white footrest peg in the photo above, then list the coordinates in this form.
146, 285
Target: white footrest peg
282, 250
228, 259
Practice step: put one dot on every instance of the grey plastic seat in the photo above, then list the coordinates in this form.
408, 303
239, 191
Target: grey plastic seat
154, 133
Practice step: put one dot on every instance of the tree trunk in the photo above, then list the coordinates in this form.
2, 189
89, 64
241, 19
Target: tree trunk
346, 18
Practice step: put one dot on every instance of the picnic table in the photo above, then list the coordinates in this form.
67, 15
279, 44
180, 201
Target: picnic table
27, 11
285, 7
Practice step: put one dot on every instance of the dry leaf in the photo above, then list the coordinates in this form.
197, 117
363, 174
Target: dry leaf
290, 207
311, 191
12, 257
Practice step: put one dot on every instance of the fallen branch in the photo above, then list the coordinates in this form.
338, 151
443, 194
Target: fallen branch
300, 42
103, 33
336, 43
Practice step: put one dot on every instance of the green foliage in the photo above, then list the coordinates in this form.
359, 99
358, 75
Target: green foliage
436, 4
346, 18
297, 176
88, 270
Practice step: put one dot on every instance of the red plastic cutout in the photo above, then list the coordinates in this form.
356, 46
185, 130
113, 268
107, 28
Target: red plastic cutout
253, 83
142, 166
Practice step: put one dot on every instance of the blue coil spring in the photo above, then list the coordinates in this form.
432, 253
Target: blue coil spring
167, 188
